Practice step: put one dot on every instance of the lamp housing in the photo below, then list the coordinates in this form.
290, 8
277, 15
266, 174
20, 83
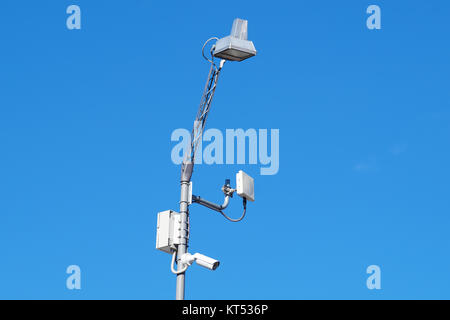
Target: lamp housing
235, 47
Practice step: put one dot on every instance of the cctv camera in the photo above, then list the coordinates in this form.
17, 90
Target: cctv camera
206, 262
201, 260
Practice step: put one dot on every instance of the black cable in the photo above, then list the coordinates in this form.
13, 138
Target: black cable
243, 214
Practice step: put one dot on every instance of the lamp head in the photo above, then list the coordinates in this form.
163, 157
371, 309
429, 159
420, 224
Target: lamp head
236, 47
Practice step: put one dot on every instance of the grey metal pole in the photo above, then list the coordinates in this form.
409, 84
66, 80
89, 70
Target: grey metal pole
186, 173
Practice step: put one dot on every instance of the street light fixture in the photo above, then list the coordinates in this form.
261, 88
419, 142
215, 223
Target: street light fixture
236, 47
173, 227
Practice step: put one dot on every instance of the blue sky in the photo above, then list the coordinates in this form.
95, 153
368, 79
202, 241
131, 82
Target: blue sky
364, 117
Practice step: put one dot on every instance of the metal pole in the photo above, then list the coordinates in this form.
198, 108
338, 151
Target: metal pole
186, 173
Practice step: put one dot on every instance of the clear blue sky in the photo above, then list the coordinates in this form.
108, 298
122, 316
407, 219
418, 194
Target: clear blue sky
364, 118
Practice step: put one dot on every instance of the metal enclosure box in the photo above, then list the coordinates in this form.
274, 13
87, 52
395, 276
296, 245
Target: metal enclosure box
168, 231
245, 186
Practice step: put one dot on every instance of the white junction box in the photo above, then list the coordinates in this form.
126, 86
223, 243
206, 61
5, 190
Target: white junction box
245, 186
169, 231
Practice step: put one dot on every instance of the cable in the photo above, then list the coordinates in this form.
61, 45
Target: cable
204, 45
172, 265
243, 214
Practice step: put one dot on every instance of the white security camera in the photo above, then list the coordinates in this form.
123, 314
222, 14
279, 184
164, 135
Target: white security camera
206, 262
201, 260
